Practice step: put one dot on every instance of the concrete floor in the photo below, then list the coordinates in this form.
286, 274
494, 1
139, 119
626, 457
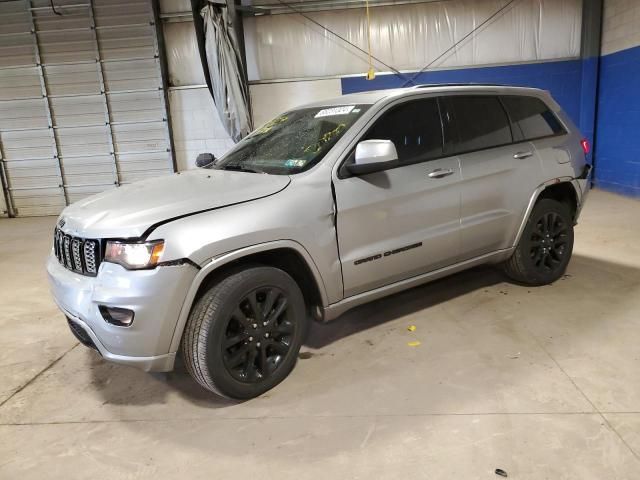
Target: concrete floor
540, 382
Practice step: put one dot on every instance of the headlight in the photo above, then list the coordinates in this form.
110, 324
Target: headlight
134, 255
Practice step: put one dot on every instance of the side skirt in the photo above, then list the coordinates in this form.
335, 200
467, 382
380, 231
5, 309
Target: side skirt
334, 310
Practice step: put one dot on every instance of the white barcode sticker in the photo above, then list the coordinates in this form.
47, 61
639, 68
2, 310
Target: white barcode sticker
327, 112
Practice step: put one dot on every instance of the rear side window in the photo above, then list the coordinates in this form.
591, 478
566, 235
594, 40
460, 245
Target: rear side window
480, 122
531, 118
415, 129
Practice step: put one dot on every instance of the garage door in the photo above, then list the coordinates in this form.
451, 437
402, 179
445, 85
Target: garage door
82, 106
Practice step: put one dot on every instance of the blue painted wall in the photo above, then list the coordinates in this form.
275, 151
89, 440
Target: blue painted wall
618, 125
571, 82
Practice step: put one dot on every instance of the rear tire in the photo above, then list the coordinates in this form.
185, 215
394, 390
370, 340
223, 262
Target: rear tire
244, 333
544, 250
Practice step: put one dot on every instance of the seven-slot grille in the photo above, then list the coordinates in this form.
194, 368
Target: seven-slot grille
77, 254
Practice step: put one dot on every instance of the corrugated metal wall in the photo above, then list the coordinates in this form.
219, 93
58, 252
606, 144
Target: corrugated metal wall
82, 107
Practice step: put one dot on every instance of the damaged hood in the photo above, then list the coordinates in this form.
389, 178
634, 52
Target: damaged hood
128, 211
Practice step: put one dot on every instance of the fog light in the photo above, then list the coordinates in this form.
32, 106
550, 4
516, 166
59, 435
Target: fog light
117, 316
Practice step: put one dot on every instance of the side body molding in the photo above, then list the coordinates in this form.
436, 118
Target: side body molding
228, 257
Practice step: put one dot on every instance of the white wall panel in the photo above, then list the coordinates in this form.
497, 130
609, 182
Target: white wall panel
408, 37
271, 99
621, 25
196, 126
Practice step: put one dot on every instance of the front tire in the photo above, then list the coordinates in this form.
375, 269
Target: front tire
544, 250
244, 333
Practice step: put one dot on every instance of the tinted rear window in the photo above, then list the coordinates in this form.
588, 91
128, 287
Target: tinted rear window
480, 121
531, 118
415, 129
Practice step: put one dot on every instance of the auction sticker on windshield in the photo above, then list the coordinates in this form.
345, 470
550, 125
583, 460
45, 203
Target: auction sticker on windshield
327, 112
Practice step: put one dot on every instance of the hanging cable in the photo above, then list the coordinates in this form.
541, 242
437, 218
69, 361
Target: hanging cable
394, 70
371, 74
53, 7
491, 17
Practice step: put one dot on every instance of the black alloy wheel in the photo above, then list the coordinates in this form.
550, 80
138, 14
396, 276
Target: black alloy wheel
548, 242
244, 332
545, 247
258, 335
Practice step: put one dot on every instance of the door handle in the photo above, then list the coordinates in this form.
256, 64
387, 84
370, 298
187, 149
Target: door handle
521, 155
440, 173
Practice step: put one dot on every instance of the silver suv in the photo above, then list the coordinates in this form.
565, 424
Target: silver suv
325, 207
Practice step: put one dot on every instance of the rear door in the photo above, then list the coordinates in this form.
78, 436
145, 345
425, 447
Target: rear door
498, 175
535, 122
403, 221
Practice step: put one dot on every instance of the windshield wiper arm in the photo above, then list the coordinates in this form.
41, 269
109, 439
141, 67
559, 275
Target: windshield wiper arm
240, 168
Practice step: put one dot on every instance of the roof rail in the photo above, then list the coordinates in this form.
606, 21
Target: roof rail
469, 84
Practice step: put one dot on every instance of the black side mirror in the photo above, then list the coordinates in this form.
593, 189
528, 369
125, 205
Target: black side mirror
205, 159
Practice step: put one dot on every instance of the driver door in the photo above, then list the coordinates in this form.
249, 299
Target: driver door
403, 221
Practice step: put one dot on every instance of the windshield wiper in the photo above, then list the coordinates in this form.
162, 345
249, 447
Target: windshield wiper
240, 168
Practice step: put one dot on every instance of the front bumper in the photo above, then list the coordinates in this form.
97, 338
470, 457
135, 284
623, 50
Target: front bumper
156, 296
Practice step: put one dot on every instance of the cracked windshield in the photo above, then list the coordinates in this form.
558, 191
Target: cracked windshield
292, 142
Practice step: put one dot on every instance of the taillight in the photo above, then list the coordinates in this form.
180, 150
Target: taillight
586, 148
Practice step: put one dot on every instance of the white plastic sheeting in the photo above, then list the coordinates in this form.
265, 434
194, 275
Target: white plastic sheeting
175, 6
223, 58
410, 36
183, 56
